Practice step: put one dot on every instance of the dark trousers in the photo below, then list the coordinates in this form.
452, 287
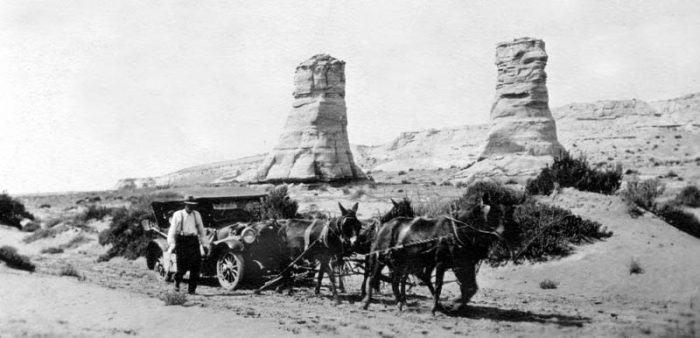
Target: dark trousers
188, 259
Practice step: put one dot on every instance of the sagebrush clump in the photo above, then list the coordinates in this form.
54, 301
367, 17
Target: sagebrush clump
689, 196
12, 211
125, 233
9, 255
568, 171
278, 205
679, 218
642, 194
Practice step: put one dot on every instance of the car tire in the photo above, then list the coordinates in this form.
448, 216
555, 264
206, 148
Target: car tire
161, 271
229, 269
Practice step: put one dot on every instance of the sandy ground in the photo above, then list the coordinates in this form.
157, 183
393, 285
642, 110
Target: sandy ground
596, 294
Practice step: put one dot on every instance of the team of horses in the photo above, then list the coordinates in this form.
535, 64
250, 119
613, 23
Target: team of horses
403, 243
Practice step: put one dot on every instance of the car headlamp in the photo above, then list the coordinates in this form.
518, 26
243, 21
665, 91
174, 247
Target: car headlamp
248, 236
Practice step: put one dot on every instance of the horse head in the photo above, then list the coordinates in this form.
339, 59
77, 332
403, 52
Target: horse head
399, 209
349, 225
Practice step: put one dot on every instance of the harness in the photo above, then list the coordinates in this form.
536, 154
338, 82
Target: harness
323, 237
454, 235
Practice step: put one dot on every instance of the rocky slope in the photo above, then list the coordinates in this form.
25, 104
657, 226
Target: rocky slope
653, 138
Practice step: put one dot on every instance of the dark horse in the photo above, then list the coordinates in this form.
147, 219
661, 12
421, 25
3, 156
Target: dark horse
420, 244
368, 235
328, 240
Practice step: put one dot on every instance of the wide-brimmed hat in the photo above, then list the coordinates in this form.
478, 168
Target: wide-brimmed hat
190, 200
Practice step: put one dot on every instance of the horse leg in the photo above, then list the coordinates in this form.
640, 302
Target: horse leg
439, 274
397, 276
425, 278
341, 272
321, 269
365, 276
376, 267
467, 283
331, 276
403, 289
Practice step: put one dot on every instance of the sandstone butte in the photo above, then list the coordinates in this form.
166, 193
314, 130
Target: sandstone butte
314, 146
522, 136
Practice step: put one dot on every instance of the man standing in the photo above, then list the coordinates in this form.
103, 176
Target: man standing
184, 236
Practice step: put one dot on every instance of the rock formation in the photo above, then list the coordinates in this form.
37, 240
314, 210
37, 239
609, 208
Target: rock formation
522, 134
314, 144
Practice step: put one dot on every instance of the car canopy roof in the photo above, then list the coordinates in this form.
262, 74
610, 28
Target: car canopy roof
216, 211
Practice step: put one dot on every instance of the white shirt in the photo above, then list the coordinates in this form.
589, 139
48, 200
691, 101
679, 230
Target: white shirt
186, 224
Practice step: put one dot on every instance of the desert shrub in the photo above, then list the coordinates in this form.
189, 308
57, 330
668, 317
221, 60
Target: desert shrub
53, 222
543, 232
96, 212
278, 205
534, 231
548, 284
12, 211
70, 271
689, 196
433, 207
642, 194
679, 218
543, 184
52, 250
635, 267
358, 194
492, 193
125, 233
174, 298
45, 233
401, 172
405, 182
577, 173
14, 260
75, 242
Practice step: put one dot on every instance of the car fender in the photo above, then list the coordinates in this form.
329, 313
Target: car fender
154, 250
227, 244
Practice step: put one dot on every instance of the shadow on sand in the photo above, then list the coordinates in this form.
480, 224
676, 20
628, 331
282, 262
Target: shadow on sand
493, 313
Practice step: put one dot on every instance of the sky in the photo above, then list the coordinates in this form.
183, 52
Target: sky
92, 91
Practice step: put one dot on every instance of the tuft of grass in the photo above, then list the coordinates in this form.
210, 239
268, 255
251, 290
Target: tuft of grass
635, 267
642, 194
9, 255
52, 250
689, 196
548, 284
174, 298
70, 271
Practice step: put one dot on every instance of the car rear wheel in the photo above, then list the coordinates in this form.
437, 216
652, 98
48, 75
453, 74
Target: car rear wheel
161, 271
229, 270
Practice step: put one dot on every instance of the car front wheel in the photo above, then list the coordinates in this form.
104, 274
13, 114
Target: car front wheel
229, 270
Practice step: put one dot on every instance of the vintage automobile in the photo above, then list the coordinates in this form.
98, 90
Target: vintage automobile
241, 249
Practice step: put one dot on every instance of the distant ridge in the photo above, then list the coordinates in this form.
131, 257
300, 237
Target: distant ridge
644, 132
